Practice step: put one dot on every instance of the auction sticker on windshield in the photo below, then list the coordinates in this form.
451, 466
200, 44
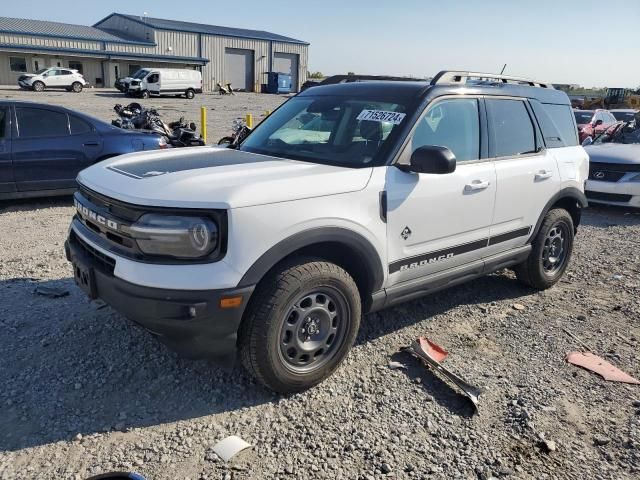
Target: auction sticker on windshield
381, 116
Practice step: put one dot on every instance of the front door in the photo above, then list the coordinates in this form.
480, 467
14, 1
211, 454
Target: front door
153, 83
45, 155
527, 174
436, 222
6, 169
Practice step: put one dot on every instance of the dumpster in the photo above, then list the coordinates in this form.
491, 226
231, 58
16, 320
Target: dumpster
279, 83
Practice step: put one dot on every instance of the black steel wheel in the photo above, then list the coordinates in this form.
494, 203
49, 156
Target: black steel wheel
300, 324
550, 253
145, 94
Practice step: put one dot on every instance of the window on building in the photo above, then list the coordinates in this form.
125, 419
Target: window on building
453, 124
17, 64
510, 128
133, 68
76, 66
78, 126
38, 122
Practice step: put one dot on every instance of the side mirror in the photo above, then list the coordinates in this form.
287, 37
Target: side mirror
597, 123
432, 159
587, 141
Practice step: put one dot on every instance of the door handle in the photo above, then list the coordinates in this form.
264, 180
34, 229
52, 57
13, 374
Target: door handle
543, 175
90, 144
476, 185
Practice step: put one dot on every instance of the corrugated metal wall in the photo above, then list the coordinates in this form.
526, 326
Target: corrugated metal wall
168, 43
49, 42
128, 27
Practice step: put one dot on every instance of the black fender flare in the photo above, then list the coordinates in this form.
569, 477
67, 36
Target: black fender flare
571, 193
366, 252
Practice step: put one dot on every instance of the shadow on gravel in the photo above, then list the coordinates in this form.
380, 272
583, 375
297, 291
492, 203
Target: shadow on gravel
70, 366
23, 205
604, 216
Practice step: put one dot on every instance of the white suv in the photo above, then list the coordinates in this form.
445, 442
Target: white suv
54, 77
349, 198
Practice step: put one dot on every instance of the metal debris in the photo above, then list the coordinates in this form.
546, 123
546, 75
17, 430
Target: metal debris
51, 292
594, 363
229, 447
433, 354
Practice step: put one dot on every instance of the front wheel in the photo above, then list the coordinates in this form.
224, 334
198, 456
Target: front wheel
300, 324
76, 87
145, 94
550, 253
38, 86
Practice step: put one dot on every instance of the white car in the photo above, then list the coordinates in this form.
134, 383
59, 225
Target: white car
614, 167
276, 248
53, 77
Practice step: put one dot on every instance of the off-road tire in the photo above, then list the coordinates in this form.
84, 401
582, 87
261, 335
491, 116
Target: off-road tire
532, 272
190, 94
76, 87
261, 332
38, 86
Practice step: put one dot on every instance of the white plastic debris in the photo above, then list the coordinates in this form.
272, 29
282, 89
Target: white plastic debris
228, 447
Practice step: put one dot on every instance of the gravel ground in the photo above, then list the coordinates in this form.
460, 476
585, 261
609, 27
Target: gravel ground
99, 102
84, 391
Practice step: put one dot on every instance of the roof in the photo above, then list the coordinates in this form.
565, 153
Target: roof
179, 26
45, 28
399, 89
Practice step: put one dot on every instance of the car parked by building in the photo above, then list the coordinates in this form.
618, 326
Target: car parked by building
43, 147
614, 166
386, 192
593, 122
53, 78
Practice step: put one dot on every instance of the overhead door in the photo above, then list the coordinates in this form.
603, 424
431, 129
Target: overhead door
287, 63
239, 68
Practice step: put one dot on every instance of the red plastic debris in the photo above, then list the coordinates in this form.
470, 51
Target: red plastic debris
600, 366
434, 350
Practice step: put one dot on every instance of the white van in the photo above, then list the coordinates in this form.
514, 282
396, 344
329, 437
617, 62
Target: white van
164, 81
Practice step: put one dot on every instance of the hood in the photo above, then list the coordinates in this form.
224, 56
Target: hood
614, 153
213, 177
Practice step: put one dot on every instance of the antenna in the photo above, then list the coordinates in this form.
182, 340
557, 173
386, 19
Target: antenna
503, 69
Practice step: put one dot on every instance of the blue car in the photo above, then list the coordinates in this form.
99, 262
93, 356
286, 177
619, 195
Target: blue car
43, 147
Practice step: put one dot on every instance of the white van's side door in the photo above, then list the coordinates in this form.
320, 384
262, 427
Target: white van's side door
153, 83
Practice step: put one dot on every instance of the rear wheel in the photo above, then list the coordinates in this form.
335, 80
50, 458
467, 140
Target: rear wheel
76, 87
550, 253
38, 86
190, 94
301, 323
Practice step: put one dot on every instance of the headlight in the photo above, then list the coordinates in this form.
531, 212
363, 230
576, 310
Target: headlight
176, 236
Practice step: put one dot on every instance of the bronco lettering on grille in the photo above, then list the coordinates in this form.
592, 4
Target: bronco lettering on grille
95, 217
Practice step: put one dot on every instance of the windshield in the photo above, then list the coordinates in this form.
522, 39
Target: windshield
583, 117
140, 73
343, 131
624, 116
41, 71
620, 132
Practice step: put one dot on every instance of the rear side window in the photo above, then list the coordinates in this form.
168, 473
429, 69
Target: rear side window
36, 122
510, 128
556, 123
78, 126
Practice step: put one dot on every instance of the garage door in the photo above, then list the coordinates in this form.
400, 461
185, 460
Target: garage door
239, 68
287, 63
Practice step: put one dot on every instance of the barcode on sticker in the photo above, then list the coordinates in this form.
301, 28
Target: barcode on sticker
381, 116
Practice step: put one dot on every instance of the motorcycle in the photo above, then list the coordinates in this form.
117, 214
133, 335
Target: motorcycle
240, 132
177, 134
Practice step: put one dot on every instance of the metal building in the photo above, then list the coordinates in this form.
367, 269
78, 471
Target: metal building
119, 44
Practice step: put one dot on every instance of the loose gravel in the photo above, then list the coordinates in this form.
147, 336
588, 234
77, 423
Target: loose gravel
84, 391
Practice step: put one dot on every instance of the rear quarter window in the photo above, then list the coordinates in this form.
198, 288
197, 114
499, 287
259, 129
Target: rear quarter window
557, 124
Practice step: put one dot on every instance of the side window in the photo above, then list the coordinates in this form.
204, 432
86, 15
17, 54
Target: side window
610, 118
3, 122
510, 128
36, 122
153, 78
453, 124
556, 123
53, 72
78, 125
64, 72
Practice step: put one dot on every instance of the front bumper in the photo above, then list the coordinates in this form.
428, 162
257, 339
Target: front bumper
190, 322
621, 193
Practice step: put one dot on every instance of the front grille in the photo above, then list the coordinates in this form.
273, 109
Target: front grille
608, 197
605, 175
610, 172
104, 262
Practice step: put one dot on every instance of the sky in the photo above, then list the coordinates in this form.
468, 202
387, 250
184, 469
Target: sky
586, 42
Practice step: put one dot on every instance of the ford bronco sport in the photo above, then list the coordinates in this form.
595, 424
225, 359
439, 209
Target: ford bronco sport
349, 198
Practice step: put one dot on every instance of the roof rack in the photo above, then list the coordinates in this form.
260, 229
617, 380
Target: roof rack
450, 76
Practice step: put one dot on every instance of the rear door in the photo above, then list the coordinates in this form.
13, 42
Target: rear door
45, 155
527, 173
6, 170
